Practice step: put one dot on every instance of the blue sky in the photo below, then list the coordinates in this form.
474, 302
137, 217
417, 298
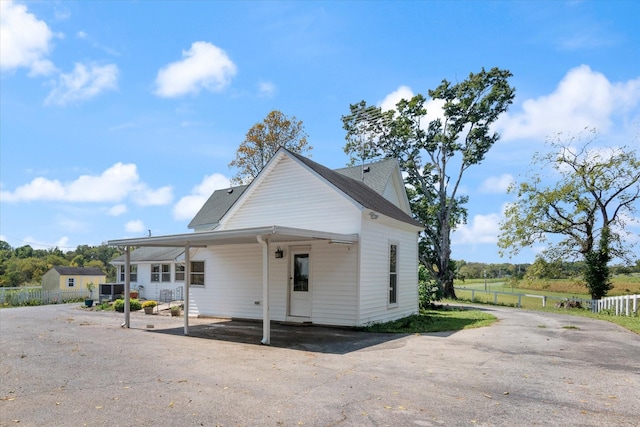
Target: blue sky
119, 117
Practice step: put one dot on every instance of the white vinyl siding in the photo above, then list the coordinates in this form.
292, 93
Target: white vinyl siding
294, 197
374, 267
233, 282
334, 286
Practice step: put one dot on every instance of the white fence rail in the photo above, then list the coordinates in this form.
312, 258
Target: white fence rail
625, 305
38, 296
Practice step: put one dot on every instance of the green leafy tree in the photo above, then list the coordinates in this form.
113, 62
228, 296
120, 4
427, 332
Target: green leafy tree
586, 207
263, 140
434, 156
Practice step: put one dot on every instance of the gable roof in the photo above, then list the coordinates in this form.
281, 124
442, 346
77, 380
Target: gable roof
376, 179
357, 190
215, 207
375, 175
150, 254
78, 271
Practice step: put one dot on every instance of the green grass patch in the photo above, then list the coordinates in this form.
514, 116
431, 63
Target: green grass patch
435, 321
631, 323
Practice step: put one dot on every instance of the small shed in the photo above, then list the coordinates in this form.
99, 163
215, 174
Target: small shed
71, 278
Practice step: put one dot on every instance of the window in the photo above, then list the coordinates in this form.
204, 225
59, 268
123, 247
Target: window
160, 272
71, 282
197, 273
393, 274
133, 273
179, 273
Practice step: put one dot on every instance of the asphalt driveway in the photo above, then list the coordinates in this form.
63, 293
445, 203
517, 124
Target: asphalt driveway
64, 366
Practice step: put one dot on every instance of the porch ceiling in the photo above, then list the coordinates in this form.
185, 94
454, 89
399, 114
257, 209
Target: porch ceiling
274, 233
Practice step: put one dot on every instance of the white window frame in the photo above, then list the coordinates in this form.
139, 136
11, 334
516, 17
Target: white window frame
133, 273
163, 274
392, 283
194, 274
178, 273
71, 282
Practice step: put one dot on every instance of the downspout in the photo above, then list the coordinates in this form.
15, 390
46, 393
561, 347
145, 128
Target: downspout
266, 321
187, 282
127, 286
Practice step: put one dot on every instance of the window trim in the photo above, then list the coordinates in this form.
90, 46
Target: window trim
193, 273
133, 273
160, 274
392, 281
71, 282
179, 268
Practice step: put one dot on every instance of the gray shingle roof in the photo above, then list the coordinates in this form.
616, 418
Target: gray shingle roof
151, 254
367, 192
216, 206
376, 176
358, 191
78, 271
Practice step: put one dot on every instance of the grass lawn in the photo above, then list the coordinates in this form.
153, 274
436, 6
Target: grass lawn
435, 321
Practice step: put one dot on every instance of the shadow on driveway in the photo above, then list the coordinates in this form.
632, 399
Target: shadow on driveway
319, 339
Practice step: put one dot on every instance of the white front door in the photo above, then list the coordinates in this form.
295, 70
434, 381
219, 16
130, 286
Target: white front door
299, 283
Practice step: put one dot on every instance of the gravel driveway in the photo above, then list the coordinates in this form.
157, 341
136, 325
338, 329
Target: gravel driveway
65, 366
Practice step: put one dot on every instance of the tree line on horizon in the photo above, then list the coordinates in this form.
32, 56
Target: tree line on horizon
25, 266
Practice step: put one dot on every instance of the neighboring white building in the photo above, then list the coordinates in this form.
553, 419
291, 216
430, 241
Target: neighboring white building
301, 243
156, 273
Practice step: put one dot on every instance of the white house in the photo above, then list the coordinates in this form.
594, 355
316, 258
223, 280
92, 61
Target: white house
301, 243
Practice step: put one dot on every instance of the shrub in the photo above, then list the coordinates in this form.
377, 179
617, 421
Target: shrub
134, 305
150, 303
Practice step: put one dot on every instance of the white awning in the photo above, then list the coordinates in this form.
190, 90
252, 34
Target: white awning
275, 233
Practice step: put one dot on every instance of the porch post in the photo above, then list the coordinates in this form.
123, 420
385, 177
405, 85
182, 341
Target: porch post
266, 321
187, 281
127, 286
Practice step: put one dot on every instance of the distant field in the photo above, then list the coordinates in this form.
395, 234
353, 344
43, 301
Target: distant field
622, 285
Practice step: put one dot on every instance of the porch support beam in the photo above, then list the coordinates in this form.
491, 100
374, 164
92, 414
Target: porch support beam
127, 287
187, 283
266, 321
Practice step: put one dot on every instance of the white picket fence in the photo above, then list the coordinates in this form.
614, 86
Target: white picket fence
37, 296
624, 305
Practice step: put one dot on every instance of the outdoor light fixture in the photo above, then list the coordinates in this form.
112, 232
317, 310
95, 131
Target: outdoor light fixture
279, 253
373, 215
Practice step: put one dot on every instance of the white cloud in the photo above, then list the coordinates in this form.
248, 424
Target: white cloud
113, 185
204, 66
25, 41
266, 89
583, 98
483, 229
83, 82
117, 210
434, 107
497, 184
144, 196
136, 226
389, 102
62, 243
188, 206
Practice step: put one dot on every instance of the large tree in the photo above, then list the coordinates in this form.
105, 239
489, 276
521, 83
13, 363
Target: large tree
435, 155
583, 195
263, 140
